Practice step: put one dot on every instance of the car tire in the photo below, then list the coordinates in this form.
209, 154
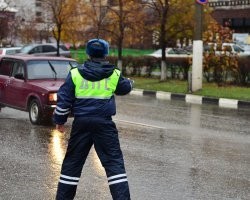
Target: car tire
35, 112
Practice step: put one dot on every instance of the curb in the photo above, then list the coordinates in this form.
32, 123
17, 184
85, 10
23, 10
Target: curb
195, 99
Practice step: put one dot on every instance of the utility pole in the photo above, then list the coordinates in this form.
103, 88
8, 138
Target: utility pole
197, 72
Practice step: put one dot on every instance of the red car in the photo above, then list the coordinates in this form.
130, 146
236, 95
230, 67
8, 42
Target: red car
31, 83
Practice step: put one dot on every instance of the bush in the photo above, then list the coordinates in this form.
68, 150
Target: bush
145, 66
222, 69
226, 68
244, 70
178, 66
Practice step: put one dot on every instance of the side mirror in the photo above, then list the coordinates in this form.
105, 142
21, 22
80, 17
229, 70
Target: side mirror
19, 76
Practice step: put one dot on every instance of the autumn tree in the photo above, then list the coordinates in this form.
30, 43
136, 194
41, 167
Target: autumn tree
161, 8
4, 29
138, 26
74, 31
6, 19
174, 20
96, 18
217, 34
61, 13
27, 32
25, 26
180, 22
121, 18
220, 65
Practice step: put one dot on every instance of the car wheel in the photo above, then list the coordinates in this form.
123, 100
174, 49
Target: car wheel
35, 112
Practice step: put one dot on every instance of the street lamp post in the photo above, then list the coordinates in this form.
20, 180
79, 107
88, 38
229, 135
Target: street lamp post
197, 74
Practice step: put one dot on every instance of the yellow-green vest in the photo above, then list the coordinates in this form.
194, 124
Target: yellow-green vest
103, 89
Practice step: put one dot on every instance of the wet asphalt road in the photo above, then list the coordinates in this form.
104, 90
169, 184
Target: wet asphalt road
173, 151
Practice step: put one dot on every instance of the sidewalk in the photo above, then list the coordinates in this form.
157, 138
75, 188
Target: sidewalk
189, 98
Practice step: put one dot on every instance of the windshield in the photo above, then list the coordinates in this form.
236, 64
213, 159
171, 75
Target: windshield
26, 48
41, 69
63, 47
238, 49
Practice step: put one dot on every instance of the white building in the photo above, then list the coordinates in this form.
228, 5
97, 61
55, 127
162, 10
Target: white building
5, 7
31, 13
27, 9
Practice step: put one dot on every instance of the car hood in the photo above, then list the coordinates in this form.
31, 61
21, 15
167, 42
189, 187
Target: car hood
50, 85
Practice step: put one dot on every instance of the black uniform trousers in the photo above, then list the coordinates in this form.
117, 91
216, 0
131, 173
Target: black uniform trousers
101, 132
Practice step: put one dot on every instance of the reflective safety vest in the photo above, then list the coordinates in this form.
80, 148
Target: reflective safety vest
103, 89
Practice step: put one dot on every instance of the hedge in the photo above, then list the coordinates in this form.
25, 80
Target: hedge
217, 69
149, 66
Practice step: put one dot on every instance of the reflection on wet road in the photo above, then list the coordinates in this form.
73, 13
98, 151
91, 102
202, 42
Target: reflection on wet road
56, 147
173, 150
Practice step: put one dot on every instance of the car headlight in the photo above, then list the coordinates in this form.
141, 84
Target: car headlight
53, 97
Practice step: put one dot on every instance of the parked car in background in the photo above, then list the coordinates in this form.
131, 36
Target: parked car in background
48, 49
30, 83
9, 50
171, 52
247, 49
233, 48
226, 48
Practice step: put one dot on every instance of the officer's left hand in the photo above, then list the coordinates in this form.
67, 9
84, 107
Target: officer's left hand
132, 82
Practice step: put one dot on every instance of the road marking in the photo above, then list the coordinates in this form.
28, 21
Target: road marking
139, 124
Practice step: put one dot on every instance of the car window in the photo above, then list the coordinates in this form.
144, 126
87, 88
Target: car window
12, 51
171, 51
6, 67
180, 51
26, 49
41, 69
18, 68
48, 48
63, 47
9, 51
37, 49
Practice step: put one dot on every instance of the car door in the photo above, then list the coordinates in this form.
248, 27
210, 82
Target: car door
49, 50
37, 50
5, 75
15, 90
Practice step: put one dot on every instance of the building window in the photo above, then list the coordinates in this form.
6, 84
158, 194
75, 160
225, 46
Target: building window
237, 22
247, 21
38, 4
38, 14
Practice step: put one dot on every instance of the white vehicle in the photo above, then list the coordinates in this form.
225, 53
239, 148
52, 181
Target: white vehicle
227, 48
246, 49
48, 49
172, 53
233, 48
9, 50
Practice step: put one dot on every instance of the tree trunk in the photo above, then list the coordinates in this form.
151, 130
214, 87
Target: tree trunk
58, 39
121, 35
163, 33
119, 64
163, 70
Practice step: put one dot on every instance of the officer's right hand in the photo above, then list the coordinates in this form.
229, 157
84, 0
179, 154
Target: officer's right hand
60, 128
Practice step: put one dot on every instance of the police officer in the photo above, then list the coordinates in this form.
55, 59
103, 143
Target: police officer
88, 92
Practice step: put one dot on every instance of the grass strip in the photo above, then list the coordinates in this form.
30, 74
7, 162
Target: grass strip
208, 89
